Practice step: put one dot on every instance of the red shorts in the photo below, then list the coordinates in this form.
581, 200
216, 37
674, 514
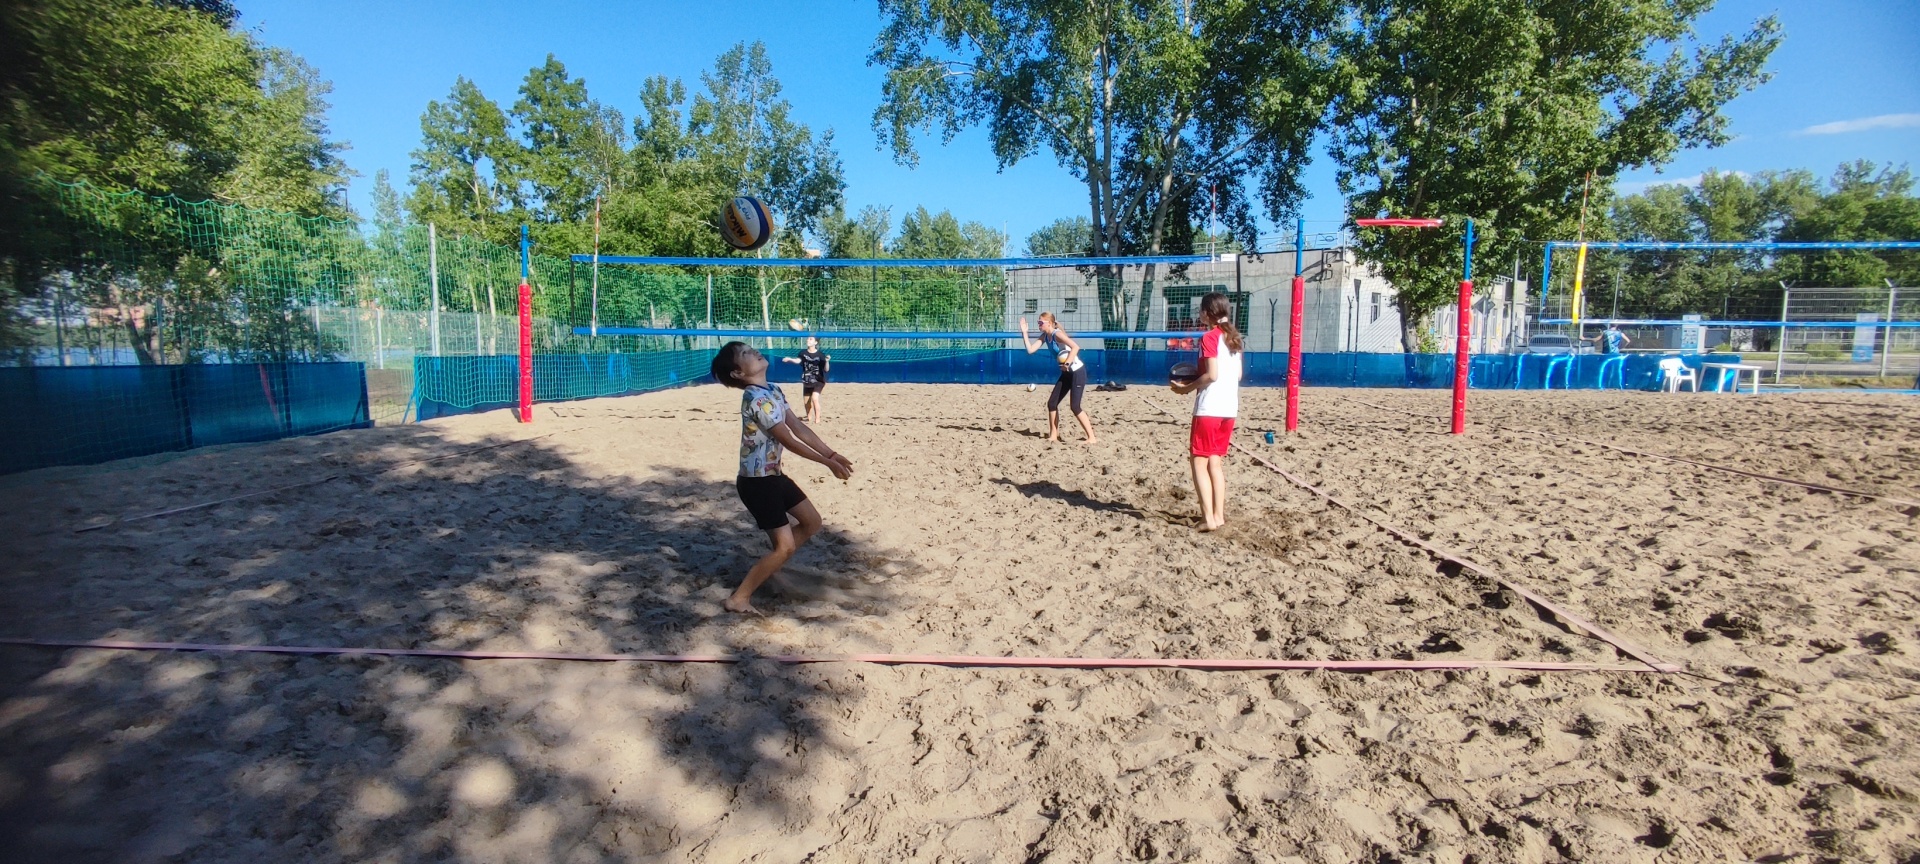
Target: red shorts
1211, 435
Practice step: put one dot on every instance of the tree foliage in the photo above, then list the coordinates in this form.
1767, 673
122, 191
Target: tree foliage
658, 183
157, 96
1501, 110
1147, 103
463, 173
1861, 201
1071, 235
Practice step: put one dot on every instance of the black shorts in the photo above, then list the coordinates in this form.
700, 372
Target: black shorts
769, 499
1074, 382
808, 388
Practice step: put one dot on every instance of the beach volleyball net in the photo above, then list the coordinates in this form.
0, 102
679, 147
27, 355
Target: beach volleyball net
1811, 314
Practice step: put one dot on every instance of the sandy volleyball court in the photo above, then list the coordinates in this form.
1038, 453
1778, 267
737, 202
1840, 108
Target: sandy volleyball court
1793, 736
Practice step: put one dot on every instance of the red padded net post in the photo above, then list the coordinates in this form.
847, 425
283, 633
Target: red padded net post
1460, 359
1294, 326
526, 353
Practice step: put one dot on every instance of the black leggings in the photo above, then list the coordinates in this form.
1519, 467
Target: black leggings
1075, 381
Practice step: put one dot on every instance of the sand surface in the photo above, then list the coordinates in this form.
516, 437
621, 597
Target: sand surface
1794, 737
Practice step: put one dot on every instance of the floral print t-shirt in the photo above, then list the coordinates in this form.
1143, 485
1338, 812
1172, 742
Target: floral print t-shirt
761, 408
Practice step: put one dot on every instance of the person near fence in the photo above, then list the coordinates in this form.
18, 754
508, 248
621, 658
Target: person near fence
1073, 373
814, 366
1610, 340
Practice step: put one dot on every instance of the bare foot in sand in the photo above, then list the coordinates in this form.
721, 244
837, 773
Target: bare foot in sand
741, 607
1092, 441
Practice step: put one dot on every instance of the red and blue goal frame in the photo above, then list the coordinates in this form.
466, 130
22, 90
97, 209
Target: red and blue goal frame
1461, 360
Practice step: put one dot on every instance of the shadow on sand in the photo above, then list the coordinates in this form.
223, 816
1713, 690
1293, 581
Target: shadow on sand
127, 756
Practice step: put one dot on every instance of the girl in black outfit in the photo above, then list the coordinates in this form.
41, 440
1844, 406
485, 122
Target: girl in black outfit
813, 375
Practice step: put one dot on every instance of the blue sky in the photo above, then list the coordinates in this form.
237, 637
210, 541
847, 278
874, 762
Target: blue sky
1846, 86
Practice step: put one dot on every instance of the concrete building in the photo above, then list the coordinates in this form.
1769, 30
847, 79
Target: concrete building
1349, 305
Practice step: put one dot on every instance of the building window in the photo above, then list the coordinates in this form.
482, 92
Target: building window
1180, 316
1376, 308
1033, 306
1073, 305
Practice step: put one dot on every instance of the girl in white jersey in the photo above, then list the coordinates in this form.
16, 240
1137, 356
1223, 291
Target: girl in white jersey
1215, 408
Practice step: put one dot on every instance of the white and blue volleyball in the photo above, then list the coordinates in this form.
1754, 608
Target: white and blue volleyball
746, 223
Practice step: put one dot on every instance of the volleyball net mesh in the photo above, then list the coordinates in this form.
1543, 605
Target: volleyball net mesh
1810, 316
128, 281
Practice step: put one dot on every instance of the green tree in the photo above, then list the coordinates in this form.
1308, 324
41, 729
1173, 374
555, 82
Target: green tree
940, 235
389, 214
286, 160
463, 173
122, 93
1071, 235
160, 97
1500, 111
1722, 207
863, 236
1865, 202
745, 137
1147, 103
1860, 202
574, 150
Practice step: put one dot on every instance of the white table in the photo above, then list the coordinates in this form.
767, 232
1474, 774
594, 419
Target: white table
1738, 369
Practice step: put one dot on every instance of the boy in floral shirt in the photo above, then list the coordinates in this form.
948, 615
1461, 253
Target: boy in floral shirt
767, 430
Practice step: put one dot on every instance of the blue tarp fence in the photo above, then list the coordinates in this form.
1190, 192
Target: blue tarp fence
444, 386
87, 414
457, 385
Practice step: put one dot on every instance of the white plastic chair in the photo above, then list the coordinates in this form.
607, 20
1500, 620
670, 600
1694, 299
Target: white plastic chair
1673, 370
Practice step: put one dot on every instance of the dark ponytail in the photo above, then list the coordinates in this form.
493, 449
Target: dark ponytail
1215, 309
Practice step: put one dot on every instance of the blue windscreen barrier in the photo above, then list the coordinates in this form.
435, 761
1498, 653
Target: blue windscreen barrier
585, 258
790, 333
88, 414
444, 386
566, 377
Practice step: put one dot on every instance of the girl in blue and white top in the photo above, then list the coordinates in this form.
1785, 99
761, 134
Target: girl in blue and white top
1073, 373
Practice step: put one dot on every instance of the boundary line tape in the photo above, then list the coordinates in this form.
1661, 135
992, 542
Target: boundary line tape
1817, 487
952, 660
1577, 622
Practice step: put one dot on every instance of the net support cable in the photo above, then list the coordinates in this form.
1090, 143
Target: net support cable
1837, 323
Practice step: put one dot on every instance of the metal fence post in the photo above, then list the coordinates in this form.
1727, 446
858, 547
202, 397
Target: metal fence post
1780, 356
433, 282
1887, 352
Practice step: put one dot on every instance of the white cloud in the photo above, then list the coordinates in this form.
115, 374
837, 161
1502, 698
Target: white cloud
1635, 187
1864, 124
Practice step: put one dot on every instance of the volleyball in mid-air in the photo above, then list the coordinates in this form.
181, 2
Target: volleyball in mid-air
796, 324
746, 223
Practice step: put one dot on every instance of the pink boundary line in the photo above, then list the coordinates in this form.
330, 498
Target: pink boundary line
1576, 621
955, 660
1817, 487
